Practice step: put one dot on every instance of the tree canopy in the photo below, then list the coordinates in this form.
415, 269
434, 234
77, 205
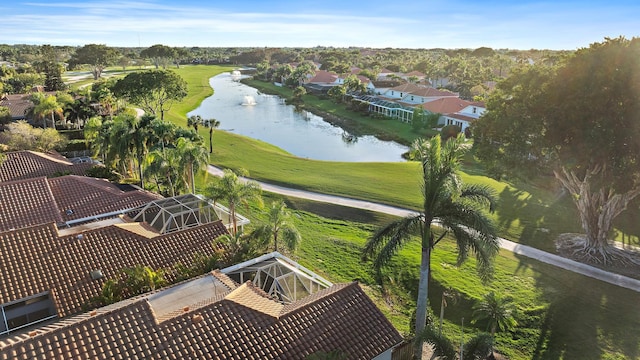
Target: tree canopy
579, 121
154, 90
97, 56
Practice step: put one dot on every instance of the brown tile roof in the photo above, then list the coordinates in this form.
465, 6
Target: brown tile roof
340, 317
432, 92
323, 76
41, 200
18, 105
87, 196
445, 105
38, 259
20, 165
27, 202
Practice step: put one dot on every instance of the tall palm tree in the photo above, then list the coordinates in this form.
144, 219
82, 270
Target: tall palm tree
497, 310
236, 192
278, 227
193, 158
211, 124
457, 208
194, 121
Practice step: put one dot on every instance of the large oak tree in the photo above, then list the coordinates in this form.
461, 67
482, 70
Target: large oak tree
154, 91
96, 56
579, 121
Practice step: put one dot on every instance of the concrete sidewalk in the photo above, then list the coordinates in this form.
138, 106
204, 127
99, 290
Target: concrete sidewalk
524, 250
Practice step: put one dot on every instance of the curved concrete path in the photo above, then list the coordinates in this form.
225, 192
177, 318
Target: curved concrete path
514, 247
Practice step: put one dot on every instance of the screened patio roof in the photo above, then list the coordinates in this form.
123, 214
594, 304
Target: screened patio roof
278, 276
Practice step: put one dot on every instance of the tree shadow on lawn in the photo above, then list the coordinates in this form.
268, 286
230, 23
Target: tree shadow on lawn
585, 317
531, 221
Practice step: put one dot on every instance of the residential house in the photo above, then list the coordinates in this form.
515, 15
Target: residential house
413, 74
465, 117
19, 105
216, 317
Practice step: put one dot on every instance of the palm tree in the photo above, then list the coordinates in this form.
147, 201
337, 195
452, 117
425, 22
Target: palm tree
46, 106
279, 226
193, 121
211, 124
193, 157
164, 164
477, 348
457, 208
230, 188
497, 310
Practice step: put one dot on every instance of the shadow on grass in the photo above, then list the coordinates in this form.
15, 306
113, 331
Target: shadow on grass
585, 318
532, 221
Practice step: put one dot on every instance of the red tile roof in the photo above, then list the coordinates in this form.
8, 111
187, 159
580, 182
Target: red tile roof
445, 105
87, 196
18, 105
20, 165
39, 258
40, 200
341, 317
323, 76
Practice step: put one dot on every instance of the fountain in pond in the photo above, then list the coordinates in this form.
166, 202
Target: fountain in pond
248, 100
236, 75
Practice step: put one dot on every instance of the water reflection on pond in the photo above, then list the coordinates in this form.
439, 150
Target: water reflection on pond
243, 110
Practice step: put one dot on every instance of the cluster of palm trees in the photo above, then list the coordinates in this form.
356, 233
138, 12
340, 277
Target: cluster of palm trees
149, 148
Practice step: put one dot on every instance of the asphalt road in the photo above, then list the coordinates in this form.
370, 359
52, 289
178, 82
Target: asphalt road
516, 248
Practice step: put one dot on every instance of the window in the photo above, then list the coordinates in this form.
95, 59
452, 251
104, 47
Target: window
27, 311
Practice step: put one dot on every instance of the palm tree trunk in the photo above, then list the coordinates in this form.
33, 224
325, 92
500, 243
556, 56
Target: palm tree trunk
423, 288
210, 137
193, 185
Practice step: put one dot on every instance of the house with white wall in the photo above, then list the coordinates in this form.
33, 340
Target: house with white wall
465, 117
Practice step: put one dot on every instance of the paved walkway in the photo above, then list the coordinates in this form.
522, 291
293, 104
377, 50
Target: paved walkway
516, 248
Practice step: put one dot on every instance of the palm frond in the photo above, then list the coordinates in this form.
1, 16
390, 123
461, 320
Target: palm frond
481, 194
442, 347
386, 241
478, 347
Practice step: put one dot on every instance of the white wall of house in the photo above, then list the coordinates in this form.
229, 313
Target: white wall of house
473, 111
447, 120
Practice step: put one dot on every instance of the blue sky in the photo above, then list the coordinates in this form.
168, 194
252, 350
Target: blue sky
514, 24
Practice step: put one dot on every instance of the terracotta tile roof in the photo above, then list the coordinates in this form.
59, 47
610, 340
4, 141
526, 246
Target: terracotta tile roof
38, 259
340, 317
27, 202
254, 298
41, 200
407, 88
87, 196
445, 105
20, 165
323, 76
433, 92
18, 105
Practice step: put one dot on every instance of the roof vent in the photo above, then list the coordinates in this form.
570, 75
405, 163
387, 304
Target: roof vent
69, 212
79, 236
96, 274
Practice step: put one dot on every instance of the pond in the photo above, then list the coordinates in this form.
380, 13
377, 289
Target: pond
243, 110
